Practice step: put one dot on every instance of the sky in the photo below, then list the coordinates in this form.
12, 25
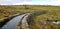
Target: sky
30, 2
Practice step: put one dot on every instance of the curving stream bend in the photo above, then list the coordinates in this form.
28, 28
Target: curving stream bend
13, 23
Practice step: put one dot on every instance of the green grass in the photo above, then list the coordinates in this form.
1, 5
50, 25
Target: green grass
52, 14
6, 11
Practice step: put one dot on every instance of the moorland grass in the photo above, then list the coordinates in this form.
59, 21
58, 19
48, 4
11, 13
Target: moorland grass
52, 14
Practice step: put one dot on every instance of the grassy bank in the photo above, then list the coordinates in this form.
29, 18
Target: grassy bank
38, 21
52, 14
6, 11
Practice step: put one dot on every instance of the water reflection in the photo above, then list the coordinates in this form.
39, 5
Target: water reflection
58, 22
